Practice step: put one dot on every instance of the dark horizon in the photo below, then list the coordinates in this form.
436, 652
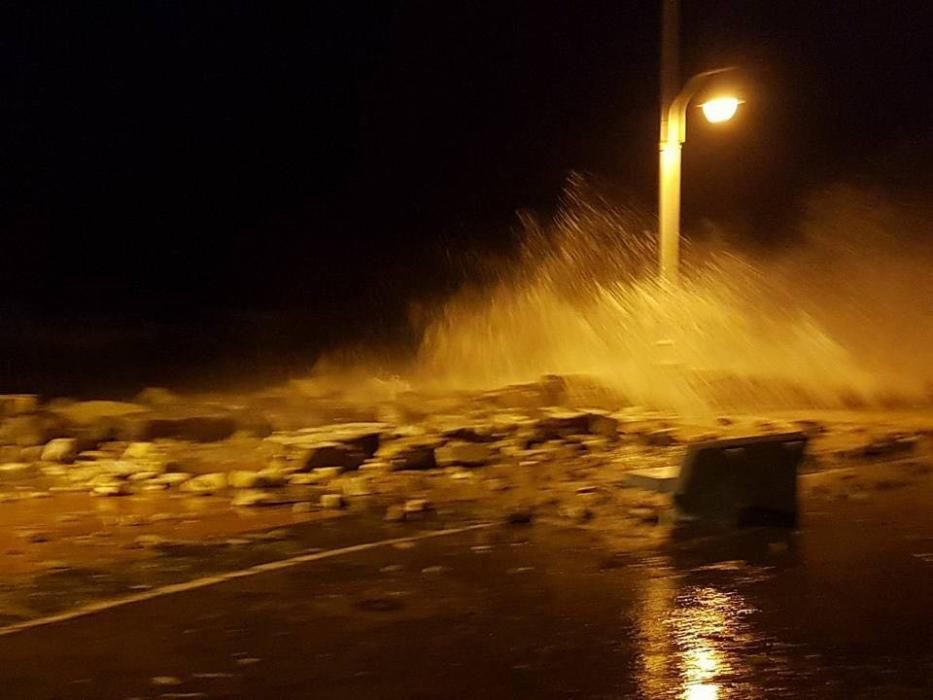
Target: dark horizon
234, 183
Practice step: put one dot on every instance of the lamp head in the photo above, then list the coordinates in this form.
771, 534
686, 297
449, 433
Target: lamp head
720, 109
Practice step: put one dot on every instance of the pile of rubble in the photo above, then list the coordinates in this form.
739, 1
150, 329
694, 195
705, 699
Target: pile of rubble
315, 449
309, 446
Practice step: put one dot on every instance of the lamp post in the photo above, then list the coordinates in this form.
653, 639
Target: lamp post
674, 104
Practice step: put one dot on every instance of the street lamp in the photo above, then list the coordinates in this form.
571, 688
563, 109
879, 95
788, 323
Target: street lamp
720, 109
673, 134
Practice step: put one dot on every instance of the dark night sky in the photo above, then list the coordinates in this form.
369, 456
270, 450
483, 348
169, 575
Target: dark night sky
169, 163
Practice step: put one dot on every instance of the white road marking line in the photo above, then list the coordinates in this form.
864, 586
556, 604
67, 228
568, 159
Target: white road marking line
204, 582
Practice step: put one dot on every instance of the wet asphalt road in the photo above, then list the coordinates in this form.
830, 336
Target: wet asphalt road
842, 609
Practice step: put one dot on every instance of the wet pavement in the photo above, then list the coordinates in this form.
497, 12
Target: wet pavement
839, 609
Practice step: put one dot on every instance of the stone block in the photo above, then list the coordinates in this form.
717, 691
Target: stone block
741, 481
657, 479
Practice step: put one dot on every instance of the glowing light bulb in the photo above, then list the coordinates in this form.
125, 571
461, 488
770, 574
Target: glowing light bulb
720, 109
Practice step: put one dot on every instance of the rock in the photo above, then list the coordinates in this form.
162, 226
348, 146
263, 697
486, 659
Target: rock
603, 425
356, 486
125, 468
360, 437
243, 479
271, 477
663, 437
416, 506
327, 473
304, 479
141, 450
246, 498
62, 450
18, 404
395, 513
205, 483
172, 478
659, 479
561, 424
112, 489
375, 466
410, 454
332, 501
467, 454
137, 477
473, 433
331, 454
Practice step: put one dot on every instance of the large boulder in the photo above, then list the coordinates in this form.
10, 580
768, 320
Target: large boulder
60, 450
